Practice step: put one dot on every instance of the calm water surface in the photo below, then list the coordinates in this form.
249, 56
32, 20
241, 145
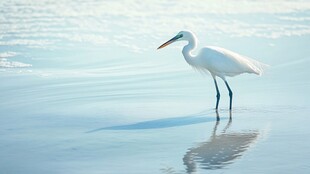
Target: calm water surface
84, 90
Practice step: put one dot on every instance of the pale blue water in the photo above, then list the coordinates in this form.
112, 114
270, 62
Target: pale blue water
84, 90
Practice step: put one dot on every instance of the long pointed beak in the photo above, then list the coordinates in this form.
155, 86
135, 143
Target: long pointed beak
169, 41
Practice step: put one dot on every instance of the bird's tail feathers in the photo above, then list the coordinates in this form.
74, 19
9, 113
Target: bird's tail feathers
257, 67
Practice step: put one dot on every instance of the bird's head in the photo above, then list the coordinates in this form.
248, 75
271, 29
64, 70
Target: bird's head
182, 35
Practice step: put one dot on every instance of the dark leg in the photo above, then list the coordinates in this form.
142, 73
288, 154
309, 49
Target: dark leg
217, 94
230, 94
217, 116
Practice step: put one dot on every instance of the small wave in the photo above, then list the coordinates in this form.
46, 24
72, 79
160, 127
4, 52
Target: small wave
4, 63
8, 54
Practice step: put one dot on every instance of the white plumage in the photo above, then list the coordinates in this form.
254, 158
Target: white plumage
220, 62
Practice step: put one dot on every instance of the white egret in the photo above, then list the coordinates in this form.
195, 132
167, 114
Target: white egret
218, 61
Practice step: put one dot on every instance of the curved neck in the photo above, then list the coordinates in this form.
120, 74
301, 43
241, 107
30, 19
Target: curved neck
187, 51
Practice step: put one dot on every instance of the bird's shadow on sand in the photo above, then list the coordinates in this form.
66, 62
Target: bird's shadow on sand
197, 118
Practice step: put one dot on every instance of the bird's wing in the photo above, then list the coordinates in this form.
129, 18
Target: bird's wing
228, 63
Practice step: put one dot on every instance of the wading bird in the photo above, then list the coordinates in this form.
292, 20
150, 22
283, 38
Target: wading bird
218, 61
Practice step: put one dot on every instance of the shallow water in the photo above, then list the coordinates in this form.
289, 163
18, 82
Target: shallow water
84, 90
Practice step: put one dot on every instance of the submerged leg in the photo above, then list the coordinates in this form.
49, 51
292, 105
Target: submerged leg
217, 116
230, 94
229, 123
218, 96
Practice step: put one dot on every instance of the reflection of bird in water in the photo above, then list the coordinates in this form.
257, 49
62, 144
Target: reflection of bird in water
218, 61
220, 150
